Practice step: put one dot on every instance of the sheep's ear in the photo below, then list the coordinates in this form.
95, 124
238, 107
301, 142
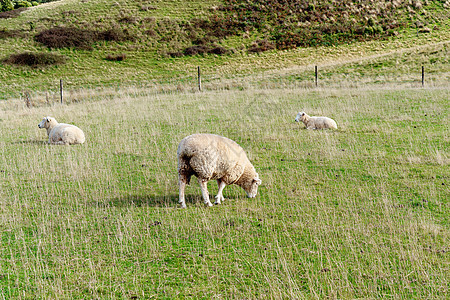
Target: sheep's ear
257, 180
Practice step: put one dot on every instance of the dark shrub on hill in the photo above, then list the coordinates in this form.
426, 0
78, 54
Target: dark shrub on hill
288, 40
34, 59
218, 50
71, 37
201, 49
114, 35
207, 40
175, 54
195, 50
12, 13
304, 23
117, 57
67, 37
4, 34
261, 46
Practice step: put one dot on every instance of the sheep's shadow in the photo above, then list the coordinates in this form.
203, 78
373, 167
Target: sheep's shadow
31, 142
139, 200
154, 201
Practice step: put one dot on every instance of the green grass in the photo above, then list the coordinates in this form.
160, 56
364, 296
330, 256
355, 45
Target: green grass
360, 212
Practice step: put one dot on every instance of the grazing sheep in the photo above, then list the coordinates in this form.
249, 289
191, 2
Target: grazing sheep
315, 122
209, 157
60, 133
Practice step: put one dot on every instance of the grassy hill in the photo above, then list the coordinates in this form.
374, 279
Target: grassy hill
144, 35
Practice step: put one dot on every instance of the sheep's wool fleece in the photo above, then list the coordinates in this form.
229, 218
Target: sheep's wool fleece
316, 122
210, 156
61, 133
66, 133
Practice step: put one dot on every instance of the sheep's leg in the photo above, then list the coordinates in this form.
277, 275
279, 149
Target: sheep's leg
204, 186
219, 196
182, 180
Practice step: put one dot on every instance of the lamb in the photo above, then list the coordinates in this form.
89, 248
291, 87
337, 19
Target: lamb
315, 122
60, 133
214, 157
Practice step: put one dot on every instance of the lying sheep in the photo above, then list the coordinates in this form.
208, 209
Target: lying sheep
315, 122
60, 133
209, 157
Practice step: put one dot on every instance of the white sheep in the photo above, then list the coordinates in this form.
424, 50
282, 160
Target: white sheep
315, 122
60, 133
209, 157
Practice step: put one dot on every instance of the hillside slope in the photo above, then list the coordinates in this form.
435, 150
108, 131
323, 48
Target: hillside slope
138, 42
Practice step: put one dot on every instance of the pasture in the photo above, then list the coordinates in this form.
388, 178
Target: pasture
360, 212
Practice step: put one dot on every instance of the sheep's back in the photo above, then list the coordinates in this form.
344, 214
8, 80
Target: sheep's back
68, 133
323, 122
210, 156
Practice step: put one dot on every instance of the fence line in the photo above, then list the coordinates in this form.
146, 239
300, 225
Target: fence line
200, 82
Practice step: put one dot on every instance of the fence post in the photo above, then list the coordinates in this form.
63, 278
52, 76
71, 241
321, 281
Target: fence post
423, 76
199, 80
61, 90
27, 99
317, 75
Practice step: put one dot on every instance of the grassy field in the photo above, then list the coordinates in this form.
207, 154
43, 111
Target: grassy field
360, 212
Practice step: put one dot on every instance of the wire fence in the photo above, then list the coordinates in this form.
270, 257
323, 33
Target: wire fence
311, 77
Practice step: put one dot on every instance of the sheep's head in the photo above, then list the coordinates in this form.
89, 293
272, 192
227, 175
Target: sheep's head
251, 186
47, 122
299, 116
